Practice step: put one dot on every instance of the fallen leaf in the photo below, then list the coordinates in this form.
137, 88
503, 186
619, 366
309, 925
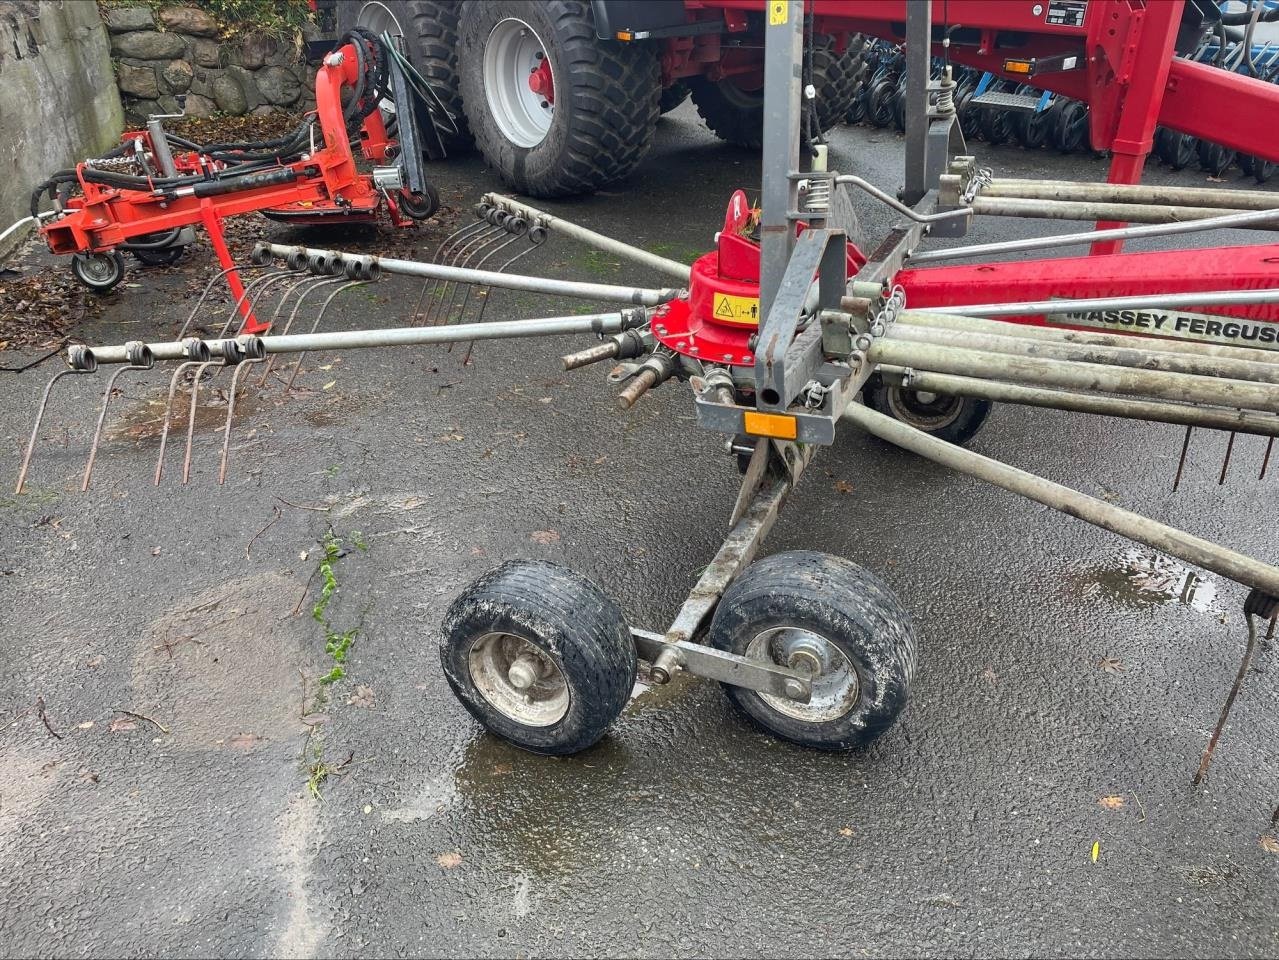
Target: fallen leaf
449, 860
363, 697
544, 536
86, 725
1111, 665
94, 662
244, 741
845, 831
88, 775
990, 676
315, 719
1269, 844
49, 767
155, 551
1112, 802
330, 385
122, 725
1096, 850
843, 486
368, 808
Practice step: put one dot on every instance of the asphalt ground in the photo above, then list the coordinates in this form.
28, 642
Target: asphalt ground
1035, 798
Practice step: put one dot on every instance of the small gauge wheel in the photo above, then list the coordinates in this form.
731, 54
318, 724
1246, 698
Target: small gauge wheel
100, 272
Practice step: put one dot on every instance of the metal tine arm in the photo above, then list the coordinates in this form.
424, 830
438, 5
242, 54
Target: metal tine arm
35, 429
440, 252
288, 324
230, 414
168, 409
195, 402
470, 287
537, 236
474, 261
297, 366
461, 258
140, 359
209, 286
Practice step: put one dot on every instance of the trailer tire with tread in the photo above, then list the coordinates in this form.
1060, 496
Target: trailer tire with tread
429, 28
953, 419
577, 654
839, 619
100, 272
737, 115
600, 120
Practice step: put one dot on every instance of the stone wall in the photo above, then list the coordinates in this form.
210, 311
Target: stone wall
179, 50
58, 103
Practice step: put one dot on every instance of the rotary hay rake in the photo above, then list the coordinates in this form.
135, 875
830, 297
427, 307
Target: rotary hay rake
777, 340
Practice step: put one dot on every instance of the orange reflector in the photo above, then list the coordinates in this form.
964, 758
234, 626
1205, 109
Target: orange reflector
1018, 66
770, 425
625, 35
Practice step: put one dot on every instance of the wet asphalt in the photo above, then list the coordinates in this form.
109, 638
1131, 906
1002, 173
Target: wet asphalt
1059, 666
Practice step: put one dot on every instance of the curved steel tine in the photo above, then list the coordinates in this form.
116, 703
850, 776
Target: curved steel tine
1225, 463
441, 251
35, 430
532, 245
168, 409
262, 282
230, 412
318, 317
102, 417
209, 286
478, 265
288, 324
1265, 465
460, 258
1181, 464
195, 402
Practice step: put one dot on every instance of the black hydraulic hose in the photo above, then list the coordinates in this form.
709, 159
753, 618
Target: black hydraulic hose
213, 188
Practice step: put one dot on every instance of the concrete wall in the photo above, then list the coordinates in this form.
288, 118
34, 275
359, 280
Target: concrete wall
58, 98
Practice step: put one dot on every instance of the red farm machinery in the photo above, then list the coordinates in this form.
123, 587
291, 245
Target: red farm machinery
793, 325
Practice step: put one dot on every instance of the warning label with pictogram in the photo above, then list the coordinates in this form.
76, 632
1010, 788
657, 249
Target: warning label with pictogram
736, 309
778, 12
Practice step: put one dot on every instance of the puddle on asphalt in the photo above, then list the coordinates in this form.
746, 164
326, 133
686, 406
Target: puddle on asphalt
1141, 579
143, 421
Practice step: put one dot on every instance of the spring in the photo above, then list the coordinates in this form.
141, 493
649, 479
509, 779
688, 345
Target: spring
817, 199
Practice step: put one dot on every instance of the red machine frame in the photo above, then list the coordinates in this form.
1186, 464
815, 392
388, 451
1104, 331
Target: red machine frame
104, 217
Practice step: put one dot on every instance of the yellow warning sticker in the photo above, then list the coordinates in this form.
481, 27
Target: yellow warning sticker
778, 12
736, 309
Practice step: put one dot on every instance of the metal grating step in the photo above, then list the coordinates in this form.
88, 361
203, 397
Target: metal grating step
1006, 101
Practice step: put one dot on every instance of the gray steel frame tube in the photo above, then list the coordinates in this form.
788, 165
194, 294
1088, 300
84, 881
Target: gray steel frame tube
779, 194
1128, 355
1253, 218
1210, 418
1184, 546
919, 51
1091, 377
1091, 210
399, 336
509, 281
1131, 193
1025, 331
673, 268
1205, 298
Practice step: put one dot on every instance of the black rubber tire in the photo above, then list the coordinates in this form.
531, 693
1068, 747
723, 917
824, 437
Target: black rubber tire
1032, 130
994, 126
1180, 150
606, 99
738, 116
100, 272
673, 96
953, 419
161, 257
573, 622
849, 607
1262, 170
420, 206
430, 40
1247, 164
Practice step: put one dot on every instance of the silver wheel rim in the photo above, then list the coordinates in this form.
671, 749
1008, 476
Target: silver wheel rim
377, 17
836, 686
513, 53
98, 267
923, 409
518, 679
